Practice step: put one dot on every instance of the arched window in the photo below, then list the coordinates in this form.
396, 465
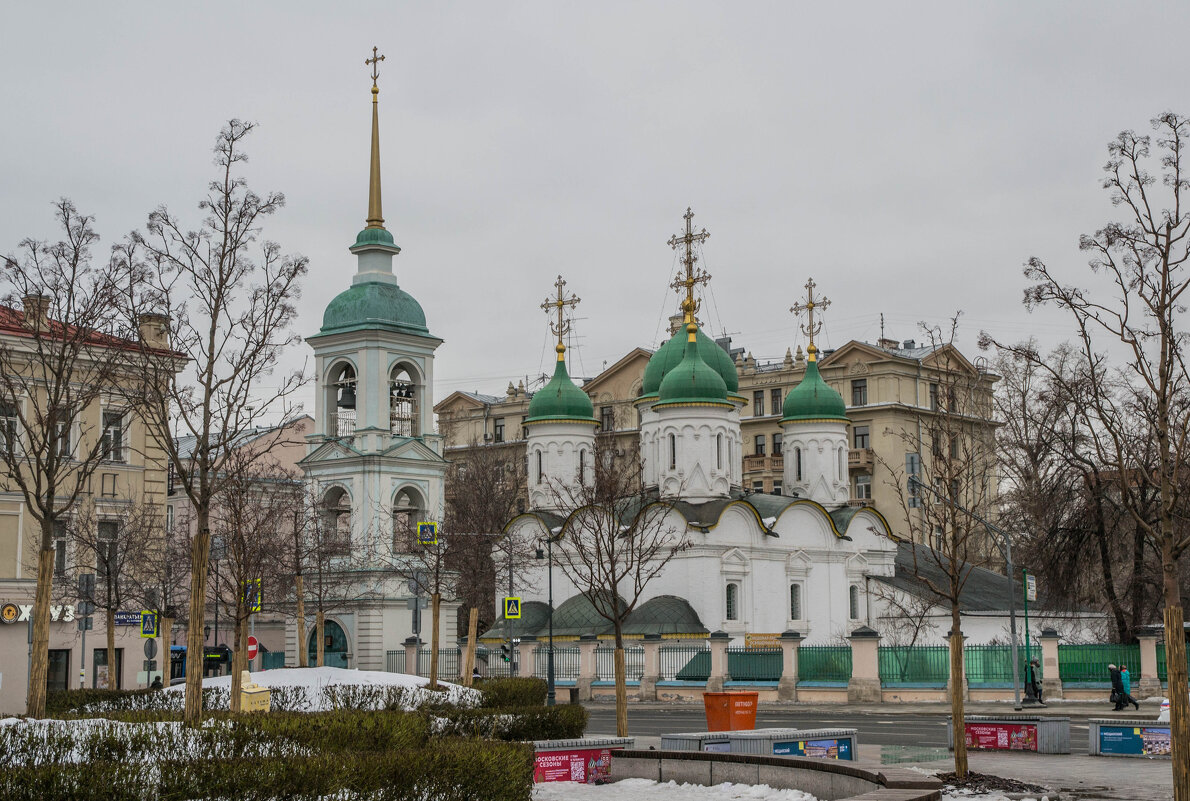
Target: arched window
797, 463
540, 468
334, 530
673, 452
719, 451
403, 393
582, 466
842, 463
408, 511
341, 402
733, 601
795, 601
853, 603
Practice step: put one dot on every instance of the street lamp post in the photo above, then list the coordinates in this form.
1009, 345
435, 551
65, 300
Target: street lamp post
1005, 544
550, 696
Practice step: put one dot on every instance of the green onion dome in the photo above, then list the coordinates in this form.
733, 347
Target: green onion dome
375, 236
374, 304
813, 398
560, 400
671, 353
692, 380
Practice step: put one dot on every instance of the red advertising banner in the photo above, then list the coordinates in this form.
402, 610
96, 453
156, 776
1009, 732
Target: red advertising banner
579, 765
1001, 737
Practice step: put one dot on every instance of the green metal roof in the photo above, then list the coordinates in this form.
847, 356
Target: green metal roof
665, 614
535, 616
560, 400
692, 380
374, 236
669, 355
374, 304
813, 399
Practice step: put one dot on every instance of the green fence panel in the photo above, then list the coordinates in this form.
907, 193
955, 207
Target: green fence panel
698, 668
991, 665
271, 660
1163, 663
685, 663
754, 664
1088, 663
914, 665
828, 663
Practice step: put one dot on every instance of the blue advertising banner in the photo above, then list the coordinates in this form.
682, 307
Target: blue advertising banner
823, 749
1134, 740
127, 618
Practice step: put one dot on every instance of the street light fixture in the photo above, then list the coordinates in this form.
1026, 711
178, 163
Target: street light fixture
550, 697
1004, 543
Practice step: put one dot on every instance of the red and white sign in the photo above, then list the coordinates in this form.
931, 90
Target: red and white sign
1001, 737
579, 765
252, 644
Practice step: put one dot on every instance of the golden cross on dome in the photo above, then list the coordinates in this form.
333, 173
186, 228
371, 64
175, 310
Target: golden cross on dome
375, 62
693, 276
810, 328
559, 305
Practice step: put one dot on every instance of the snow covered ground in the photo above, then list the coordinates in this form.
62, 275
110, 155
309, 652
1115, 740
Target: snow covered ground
648, 790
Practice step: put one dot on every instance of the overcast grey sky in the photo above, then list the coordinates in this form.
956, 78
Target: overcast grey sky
908, 156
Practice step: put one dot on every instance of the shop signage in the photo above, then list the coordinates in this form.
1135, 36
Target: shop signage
760, 640
1001, 736
830, 748
1134, 740
127, 618
22, 613
584, 765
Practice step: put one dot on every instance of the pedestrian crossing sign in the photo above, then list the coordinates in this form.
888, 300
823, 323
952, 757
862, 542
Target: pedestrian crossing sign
148, 624
512, 608
427, 533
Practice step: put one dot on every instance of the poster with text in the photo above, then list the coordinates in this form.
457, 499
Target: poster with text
578, 765
1001, 737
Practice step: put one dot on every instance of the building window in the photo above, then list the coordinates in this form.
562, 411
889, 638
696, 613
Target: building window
853, 602
607, 418
105, 548
795, 601
59, 548
58, 677
936, 445
954, 446
60, 419
101, 674
934, 397
758, 444
673, 452
498, 432
758, 486
912, 476
863, 487
402, 403
524, 431
113, 436
955, 490
777, 438
9, 425
797, 459
582, 466
939, 538
859, 392
861, 436
775, 395
171, 479
540, 469
758, 403
169, 519
733, 601
842, 464
719, 451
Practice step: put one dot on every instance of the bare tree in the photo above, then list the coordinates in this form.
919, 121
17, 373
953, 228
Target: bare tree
1138, 309
229, 312
616, 539
329, 575
420, 557
56, 371
945, 490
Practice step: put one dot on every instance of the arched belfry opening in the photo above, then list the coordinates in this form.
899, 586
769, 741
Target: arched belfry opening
404, 392
335, 520
341, 401
409, 509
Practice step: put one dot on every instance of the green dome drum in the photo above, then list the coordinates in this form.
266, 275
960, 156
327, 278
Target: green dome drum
813, 398
560, 400
692, 380
374, 304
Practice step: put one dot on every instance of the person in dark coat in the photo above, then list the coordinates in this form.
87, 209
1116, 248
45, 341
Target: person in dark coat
1031, 680
1119, 695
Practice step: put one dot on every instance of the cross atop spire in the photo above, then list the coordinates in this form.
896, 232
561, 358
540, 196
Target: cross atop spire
810, 328
694, 276
375, 215
558, 305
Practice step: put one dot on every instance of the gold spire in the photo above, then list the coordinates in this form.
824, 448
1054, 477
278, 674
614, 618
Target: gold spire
693, 276
559, 305
810, 328
375, 216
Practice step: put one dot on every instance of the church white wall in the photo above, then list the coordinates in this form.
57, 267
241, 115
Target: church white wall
555, 452
823, 446
703, 459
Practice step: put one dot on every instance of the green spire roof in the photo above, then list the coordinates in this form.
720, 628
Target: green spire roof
671, 353
692, 380
813, 399
374, 304
560, 400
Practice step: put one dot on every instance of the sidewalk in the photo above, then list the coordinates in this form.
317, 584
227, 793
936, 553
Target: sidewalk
1072, 709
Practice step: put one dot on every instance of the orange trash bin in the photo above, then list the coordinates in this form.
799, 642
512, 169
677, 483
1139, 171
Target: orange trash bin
734, 711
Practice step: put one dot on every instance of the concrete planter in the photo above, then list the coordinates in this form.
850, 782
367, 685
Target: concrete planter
819, 743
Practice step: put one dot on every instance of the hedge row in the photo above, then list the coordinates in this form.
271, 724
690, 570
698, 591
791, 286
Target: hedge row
518, 725
460, 770
511, 693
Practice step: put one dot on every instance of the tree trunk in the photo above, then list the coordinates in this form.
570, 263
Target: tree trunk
956, 694
319, 634
200, 552
166, 632
303, 654
1175, 660
468, 666
239, 660
109, 620
621, 685
435, 608
40, 663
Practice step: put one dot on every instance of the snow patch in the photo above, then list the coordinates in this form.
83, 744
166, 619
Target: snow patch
649, 790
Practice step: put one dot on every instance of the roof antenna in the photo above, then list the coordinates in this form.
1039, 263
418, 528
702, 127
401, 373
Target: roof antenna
882, 325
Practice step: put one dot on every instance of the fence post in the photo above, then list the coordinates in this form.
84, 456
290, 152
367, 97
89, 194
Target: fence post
412, 645
1051, 674
718, 642
652, 671
587, 644
787, 687
864, 687
1150, 683
526, 656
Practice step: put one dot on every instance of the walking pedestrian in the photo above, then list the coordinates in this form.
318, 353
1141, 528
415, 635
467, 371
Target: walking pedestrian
1117, 687
1033, 683
1126, 681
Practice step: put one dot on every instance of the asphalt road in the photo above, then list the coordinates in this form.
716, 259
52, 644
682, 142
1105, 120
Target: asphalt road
901, 729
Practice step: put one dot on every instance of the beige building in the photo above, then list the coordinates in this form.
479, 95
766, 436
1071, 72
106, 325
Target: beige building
131, 477
895, 394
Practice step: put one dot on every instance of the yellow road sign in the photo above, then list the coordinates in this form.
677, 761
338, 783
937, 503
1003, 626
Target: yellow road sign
512, 608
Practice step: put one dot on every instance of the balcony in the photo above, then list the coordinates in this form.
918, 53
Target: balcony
341, 425
762, 464
860, 459
859, 502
